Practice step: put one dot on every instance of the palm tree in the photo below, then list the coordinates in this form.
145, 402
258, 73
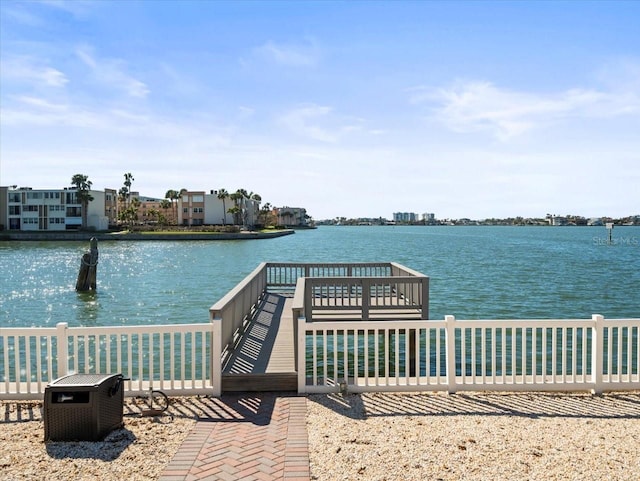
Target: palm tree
165, 205
83, 185
255, 200
234, 211
128, 180
265, 215
237, 197
173, 195
222, 195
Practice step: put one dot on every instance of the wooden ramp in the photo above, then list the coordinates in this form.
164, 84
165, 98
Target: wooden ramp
264, 360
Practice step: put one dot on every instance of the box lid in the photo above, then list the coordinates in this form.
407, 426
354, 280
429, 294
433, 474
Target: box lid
83, 379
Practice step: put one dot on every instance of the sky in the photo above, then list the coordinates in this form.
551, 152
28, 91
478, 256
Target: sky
355, 109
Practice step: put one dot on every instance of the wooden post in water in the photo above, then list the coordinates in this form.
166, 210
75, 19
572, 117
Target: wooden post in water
88, 268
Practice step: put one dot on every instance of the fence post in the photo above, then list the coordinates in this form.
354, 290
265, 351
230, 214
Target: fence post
597, 353
450, 344
301, 358
424, 285
308, 285
216, 355
366, 297
63, 348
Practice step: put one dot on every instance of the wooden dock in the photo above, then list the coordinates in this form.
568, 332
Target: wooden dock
264, 359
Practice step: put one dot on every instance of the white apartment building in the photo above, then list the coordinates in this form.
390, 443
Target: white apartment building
199, 208
28, 209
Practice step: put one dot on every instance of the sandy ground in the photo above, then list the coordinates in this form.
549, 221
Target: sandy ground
368, 437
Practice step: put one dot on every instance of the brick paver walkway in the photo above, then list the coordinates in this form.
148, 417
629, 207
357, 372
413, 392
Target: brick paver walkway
261, 436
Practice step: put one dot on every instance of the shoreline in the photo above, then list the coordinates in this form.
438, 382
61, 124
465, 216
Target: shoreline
135, 236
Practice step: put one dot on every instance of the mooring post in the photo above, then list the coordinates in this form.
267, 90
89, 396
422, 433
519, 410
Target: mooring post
88, 268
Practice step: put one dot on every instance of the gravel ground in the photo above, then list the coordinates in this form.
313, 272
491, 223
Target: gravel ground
368, 437
474, 437
139, 451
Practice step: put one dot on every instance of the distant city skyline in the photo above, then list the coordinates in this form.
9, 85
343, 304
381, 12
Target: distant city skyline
465, 109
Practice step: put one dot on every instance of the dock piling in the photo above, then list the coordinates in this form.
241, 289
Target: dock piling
88, 268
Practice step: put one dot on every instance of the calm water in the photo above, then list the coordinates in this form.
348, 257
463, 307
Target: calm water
476, 273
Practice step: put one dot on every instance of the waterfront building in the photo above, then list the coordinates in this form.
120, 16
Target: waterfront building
429, 218
198, 208
28, 209
292, 216
405, 217
3, 207
111, 205
192, 208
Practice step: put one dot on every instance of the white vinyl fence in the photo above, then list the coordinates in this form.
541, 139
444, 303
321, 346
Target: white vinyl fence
506, 355
176, 359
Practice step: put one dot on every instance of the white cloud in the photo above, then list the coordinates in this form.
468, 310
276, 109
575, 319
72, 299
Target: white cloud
77, 8
318, 122
112, 72
304, 121
29, 70
300, 55
22, 16
42, 104
478, 106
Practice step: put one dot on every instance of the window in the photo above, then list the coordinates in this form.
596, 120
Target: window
14, 210
74, 212
14, 197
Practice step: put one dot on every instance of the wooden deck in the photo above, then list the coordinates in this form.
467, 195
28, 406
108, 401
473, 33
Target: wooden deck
264, 358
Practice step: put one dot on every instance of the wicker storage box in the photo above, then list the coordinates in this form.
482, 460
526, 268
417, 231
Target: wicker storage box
83, 407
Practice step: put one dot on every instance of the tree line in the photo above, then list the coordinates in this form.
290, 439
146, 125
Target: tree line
128, 206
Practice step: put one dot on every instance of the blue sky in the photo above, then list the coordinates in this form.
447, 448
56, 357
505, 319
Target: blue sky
356, 109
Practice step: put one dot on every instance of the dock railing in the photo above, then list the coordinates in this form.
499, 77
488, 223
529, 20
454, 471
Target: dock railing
390, 346
458, 355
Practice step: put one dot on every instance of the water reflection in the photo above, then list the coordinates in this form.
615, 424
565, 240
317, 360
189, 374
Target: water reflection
87, 308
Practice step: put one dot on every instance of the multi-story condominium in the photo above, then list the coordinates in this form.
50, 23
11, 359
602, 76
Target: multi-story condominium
405, 217
192, 209
429, 218
292, 216
3, 207
151, 209
28, 209
216, 210
111, 205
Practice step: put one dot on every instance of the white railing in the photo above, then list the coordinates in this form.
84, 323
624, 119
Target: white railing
511, 355
388, 353
234, 310
340, 296
284, 275
177, 359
